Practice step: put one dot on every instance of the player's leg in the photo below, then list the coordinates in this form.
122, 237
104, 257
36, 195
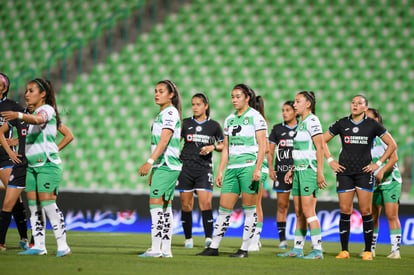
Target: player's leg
365, 207
281, 216
5, 172
187, 202
377, 202
391, 204
205, 204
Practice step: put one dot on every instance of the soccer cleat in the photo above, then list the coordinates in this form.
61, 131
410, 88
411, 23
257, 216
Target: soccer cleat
240, 254
150, 254
24, 244
2, 247
209, 252
207, 242
343, 255
315, 254
367, 256
63, 253
293, 253
282, 245
33, 251
167, 255
188, 243
362, 253
394, 255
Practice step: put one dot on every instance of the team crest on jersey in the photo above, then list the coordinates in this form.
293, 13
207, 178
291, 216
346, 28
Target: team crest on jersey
246, 121
189, 137
355, 130
199, 129
291, 133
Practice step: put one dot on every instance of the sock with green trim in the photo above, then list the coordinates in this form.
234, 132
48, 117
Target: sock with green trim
220, 228
250, 220
38, 225
157, 225
395, 237
300, 237
57, 221
167, 230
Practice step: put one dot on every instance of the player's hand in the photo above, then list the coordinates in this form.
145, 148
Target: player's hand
144, 169
257, 174
336, 167
378, 177
205, 150
15, 157
219, 180
9, 115
272, 174
289, 177
321, 182
370, 168
12, 141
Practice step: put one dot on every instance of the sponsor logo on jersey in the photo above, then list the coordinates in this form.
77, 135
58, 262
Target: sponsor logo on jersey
355, 139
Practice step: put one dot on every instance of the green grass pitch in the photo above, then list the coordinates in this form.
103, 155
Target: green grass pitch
115, 253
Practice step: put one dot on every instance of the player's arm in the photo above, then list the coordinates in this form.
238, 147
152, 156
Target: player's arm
270, 160
387, 167
223, 161
336, 167
13, 155
318, 141
28, 118
391, 148
67, 136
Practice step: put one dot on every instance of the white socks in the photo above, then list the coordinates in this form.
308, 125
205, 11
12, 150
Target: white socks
157, 226
57, 221
250, 219
220, 228
38, 224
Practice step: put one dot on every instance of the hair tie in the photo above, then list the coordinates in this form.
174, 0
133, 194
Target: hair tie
40, 84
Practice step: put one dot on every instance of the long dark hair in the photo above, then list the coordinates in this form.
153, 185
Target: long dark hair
204, 98
310, 96
176, 100
248, 92
260, 106
376, 114
6, 79
50, 99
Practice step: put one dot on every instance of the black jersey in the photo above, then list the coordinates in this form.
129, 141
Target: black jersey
356, 140
196, 135
21, 128
282, 135
8, 105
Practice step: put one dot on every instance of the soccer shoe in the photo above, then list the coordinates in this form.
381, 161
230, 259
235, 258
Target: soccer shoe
362, 253
63, 253
207, 242
188, 243
167, 255
209, 252
314, 255
2, 248
394, 255
282, 245
240, 254
343, 255
33, 251
24, 244
150, 254
367, 256
293, 253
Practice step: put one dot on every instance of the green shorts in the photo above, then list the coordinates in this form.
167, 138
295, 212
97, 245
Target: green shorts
388, 193
239, 180
163, 181
44, 179
305, 183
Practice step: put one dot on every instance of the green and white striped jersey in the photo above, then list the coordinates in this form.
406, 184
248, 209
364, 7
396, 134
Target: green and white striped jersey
169, 118
41, 139
241, 132
377, 151
304, 151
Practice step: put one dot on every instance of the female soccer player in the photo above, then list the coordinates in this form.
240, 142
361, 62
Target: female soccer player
166, 164
387, 192
255, 242
281, 142
17, 180
18, 211
44, 171
354, 171
307, 176
243, 154
201, 136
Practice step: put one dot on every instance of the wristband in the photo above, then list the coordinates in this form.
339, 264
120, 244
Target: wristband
20, 115
379, 163
330, 159
150, 161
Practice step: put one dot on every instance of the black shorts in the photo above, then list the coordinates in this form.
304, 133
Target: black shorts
7, 163
191, 179
18, 176
362, 181
280, 186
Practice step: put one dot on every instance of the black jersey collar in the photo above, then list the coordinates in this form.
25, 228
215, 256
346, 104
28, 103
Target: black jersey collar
287, 126
201, 122
355, 123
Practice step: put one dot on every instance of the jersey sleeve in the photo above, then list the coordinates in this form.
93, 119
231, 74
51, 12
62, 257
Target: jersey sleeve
314, 126
170, 119
379, 129
46, 112
334, 129
259, 122
226, 126
184, 128
272, 136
